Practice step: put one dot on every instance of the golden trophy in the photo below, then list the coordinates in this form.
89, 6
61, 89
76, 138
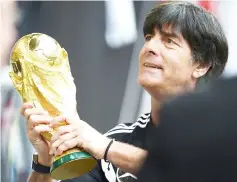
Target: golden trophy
41, 74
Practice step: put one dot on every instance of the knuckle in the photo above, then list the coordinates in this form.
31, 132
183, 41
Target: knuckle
80, 144
39, 129
54, 145
22, 110
24, 107
58, 118
32, 119
36, 129
74, 133
61, 138
60, 148
45, 118
67, 144
27, 112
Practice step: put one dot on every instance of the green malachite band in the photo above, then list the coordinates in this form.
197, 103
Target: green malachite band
68, 158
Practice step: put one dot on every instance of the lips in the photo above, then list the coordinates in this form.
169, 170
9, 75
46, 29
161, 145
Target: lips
152, 65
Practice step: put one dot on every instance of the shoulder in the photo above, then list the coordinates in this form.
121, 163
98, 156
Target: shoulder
216, 98
124, 129
208, 108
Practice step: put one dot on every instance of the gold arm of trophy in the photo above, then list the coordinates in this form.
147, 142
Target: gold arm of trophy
41, 74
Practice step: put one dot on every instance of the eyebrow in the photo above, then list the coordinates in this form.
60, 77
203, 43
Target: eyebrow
171, 34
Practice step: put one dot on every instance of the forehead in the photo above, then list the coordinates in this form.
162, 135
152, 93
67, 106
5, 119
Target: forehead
169, 30
172, 18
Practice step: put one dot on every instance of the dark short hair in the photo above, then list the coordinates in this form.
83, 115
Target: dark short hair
198, 27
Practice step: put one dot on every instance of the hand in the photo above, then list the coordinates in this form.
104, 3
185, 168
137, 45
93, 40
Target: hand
77, 133
37, 121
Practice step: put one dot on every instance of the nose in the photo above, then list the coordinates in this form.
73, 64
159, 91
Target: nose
153, 46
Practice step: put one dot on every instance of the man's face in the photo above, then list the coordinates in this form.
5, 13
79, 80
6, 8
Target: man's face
165, 64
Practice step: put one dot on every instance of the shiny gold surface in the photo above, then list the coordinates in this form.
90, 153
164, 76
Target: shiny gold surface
72, 167
63, 173
40, 72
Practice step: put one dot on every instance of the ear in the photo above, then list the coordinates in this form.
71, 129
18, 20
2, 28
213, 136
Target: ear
200, 70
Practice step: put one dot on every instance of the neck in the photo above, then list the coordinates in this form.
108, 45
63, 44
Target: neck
155, 108
156, 102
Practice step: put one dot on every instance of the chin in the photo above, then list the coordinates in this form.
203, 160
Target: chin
146, 82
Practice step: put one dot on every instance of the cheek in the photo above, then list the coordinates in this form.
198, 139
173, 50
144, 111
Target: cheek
141, 53
171, 62
177, 61
178, 68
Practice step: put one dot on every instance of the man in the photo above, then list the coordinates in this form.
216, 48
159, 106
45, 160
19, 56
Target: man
196, 139
183, 45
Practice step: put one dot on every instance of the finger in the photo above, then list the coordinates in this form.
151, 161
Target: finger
58, 121
67, 145
39, 119
25, 106
41, 128
33, 111
61, 140
62, 130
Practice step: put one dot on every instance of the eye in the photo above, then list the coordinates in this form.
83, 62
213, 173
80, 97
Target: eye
148, 38
170, 41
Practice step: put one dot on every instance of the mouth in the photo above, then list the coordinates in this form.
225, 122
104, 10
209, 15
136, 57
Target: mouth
152, 65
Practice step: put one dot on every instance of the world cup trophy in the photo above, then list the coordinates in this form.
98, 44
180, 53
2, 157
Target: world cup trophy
41, 74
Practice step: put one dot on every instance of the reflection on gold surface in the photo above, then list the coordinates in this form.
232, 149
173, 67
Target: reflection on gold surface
40, 72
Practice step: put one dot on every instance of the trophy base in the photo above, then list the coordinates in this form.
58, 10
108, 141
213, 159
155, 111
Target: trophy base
72, 165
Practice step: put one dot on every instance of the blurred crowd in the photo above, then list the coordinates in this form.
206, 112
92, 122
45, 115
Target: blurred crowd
15, 147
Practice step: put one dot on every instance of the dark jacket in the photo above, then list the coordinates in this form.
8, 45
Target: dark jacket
196, 140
